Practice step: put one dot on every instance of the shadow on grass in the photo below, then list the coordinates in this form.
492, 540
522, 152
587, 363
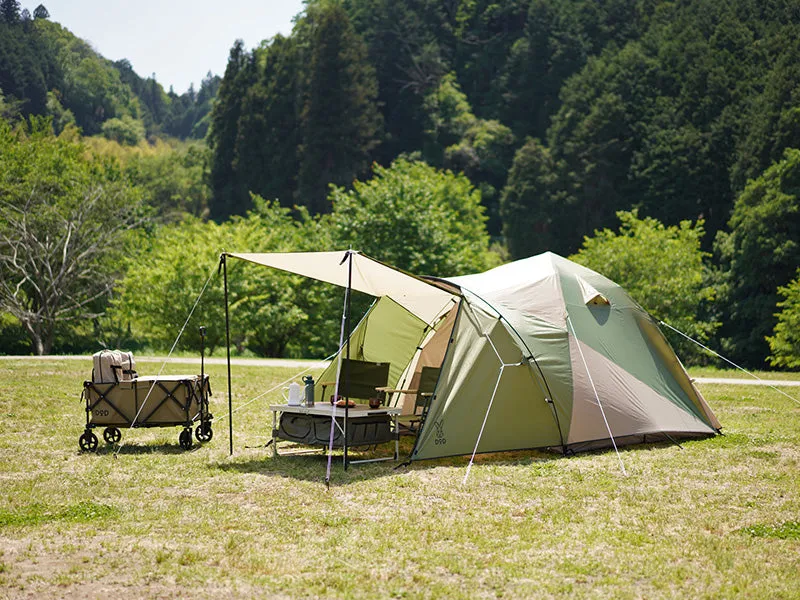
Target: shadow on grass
133, 448
310, 464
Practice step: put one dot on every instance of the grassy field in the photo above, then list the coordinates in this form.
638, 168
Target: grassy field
718, 519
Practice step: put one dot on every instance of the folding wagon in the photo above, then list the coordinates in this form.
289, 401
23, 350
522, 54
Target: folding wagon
151, 401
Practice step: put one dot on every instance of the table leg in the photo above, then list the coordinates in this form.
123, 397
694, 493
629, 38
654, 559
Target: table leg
274, 428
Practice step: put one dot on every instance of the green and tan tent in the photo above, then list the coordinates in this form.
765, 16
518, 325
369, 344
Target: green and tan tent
538, 353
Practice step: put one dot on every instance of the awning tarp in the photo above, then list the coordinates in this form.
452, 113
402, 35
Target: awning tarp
370, 276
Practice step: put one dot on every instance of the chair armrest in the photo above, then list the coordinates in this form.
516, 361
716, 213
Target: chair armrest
389, 390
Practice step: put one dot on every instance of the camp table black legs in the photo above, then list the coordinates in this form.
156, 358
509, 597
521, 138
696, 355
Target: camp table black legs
163, 401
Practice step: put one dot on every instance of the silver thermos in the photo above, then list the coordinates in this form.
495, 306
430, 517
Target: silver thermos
309, 381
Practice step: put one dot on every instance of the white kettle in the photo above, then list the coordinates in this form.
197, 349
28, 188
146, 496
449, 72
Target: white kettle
295, 395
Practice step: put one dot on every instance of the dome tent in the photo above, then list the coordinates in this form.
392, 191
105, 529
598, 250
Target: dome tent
538, 353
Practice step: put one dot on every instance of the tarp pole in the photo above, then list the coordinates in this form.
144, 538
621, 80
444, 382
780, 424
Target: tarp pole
348, 306
338, 377
228, 347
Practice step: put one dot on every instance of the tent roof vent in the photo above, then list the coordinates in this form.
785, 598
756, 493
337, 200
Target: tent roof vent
591, 297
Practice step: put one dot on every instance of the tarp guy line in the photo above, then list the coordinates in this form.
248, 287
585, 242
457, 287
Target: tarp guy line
171, 350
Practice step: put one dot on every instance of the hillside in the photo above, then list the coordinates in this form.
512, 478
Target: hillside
46, 70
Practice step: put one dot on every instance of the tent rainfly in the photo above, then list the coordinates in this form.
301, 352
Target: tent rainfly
538, 353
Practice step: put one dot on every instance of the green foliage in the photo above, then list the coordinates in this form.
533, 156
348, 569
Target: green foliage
172, 175
785, 341
662, 268
269, 308
266, 151
63, 224
9, 11
126, 130
535, 206
759, 254
91, 87
230, 194
458, 140
416, 218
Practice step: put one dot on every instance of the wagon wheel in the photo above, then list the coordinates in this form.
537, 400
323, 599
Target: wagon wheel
88, 441
185, 438
204, 433
112, 435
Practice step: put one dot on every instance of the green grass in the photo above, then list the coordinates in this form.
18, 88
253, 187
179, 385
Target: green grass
718, 519
730, 372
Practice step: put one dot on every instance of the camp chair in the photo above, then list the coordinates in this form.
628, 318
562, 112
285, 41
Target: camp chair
363, 377
427, 383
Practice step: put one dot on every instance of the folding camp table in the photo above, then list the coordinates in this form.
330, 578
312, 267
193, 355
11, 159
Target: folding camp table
160, 401
310, 425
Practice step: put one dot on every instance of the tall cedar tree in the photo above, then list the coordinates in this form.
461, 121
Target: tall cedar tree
340, 120
266, 159
229, 195
9, 11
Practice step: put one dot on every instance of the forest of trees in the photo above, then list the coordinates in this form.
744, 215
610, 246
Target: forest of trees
601, 130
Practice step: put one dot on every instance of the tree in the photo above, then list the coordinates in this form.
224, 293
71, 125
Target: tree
269, 309
230, 197
460, 141
9, 11
40, 12
414, 217
759, 254
785, 341
63, 223
268, 136
125, 130
340, 120
536, 206
662, 268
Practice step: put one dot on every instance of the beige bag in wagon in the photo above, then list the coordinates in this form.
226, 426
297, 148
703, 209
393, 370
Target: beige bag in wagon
113, 366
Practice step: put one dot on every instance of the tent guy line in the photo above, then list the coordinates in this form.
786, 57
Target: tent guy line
597, 396
717, 354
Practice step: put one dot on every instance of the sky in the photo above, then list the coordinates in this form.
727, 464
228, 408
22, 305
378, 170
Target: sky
178, 40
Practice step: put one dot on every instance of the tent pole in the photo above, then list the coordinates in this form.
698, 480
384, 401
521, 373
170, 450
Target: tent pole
228, 347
